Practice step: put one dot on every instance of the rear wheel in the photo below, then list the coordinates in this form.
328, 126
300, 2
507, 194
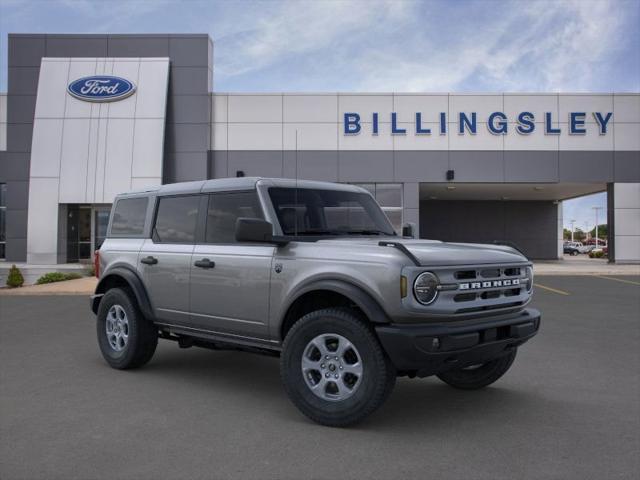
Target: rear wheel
126, 338
334, 369
479, 376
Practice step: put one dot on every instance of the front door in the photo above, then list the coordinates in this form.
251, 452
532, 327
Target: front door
165, 259
230, 280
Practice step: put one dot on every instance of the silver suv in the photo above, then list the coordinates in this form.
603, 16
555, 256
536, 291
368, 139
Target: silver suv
312, 272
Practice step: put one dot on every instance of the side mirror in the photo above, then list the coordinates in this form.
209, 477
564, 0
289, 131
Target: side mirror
256, 230
408, 230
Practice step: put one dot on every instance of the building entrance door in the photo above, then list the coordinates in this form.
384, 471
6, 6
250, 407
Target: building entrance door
78, 233
86, 230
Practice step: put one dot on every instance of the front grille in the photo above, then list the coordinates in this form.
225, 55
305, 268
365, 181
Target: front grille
483, 288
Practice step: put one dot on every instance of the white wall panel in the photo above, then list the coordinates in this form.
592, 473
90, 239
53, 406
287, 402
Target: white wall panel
584, 103
119, 148
152, 89
482, 140
314, 136
148, 147
145, 183
627, 249
310, 108
73, 161
430, 106
45, 147
77, 69
255, 136
536, 104
125, 108
626, 195
592, 140
411, 141
51, 87
3, 108
483, 105
92, 157
3, 136
626, 108
365, 105
366, 141
628, 221
101, 154
219, 104
219, 136
627, 136
255, 108
534, 141
42, 222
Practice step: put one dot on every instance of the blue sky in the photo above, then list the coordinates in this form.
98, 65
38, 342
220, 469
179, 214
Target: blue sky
370, 45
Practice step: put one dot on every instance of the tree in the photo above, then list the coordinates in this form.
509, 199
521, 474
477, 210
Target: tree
578, 235
603, 231
566, 234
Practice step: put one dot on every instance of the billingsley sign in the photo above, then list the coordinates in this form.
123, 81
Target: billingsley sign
497, 123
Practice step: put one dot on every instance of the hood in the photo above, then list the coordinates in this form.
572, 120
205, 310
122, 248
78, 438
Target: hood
436, 253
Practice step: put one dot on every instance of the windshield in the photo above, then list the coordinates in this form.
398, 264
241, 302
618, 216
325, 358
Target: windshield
307, 211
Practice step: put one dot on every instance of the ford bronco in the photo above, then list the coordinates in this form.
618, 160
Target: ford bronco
314, 273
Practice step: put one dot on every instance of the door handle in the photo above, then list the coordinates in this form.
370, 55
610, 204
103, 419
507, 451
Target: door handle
149, 260
204, 263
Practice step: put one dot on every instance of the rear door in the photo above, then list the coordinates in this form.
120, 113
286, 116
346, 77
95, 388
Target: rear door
165, 259
230, 280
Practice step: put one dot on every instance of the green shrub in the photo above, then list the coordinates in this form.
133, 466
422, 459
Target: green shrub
90, 271
15, 278
596, 254
52, 277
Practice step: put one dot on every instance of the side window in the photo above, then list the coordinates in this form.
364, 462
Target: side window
176, 219
224, 210
128, 216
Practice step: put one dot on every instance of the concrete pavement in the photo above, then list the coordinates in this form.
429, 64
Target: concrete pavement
568, 408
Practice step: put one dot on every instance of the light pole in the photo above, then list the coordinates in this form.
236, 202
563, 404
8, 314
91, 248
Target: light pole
572, 228
596, 209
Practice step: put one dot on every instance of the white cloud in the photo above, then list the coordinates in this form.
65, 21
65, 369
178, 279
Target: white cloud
409, 46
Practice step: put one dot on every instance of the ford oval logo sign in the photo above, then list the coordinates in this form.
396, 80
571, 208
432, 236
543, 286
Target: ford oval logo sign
101, 88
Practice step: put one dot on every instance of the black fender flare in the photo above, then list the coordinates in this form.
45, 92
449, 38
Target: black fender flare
133, 280
363, 300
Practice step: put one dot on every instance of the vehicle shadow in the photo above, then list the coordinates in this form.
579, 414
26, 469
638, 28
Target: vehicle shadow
415, 404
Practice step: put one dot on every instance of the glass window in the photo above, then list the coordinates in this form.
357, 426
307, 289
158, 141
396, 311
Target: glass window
389, 197
176, 219
327, 212
224, 209
128, 216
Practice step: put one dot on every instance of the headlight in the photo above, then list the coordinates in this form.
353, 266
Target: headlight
425, 288
529, 279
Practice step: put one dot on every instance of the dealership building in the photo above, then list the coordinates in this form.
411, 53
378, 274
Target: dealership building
86, 117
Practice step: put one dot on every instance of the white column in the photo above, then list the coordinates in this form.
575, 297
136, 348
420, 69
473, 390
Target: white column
626, 208
411, 206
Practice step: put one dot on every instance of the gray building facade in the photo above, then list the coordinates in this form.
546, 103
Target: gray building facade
460, 167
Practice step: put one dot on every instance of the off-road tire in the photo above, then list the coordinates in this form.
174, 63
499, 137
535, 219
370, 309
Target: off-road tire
142, 334
480, 377
378, 377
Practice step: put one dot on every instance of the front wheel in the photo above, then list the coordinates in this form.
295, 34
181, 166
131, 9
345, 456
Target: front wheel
334, 369
479, 376
126, 338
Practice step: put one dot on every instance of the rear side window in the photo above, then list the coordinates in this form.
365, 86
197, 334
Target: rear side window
128, 216
176, 219
224, 209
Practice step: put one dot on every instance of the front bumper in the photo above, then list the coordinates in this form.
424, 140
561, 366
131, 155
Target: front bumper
428, 349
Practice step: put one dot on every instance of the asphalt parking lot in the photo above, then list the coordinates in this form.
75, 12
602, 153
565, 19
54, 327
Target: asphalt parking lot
569, 408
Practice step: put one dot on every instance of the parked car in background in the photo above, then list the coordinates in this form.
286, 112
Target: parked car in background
569, 248
577, 246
